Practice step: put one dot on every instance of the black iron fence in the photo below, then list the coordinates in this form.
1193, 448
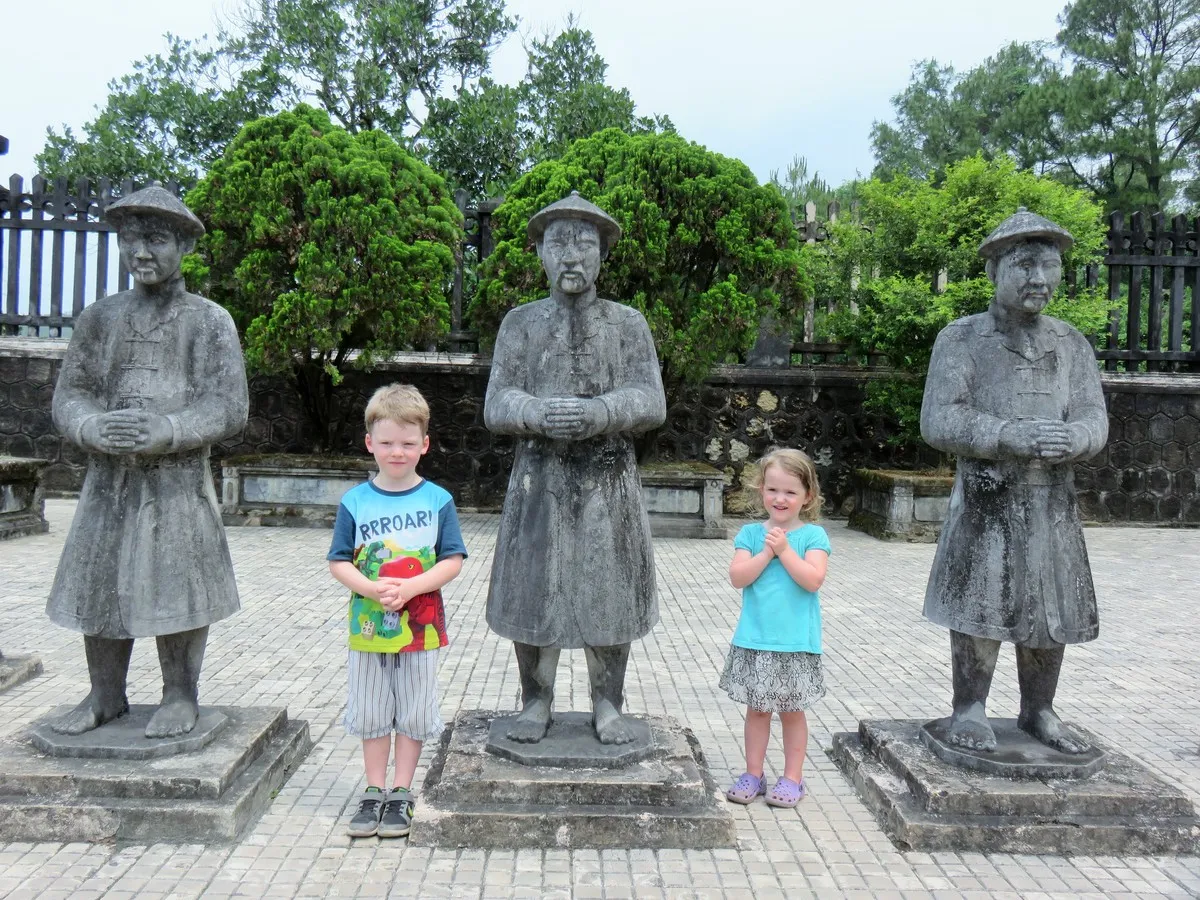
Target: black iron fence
57, 254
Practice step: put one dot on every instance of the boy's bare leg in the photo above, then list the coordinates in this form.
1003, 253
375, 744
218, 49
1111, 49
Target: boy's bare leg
108, 669
408, 752
180, 657
538, 666
795, 743
606, 672
375, 759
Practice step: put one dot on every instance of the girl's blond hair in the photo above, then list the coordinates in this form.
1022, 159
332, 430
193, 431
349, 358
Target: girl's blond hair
797, 464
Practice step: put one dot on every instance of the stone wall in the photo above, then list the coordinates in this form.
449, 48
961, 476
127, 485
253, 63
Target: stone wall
1147, 473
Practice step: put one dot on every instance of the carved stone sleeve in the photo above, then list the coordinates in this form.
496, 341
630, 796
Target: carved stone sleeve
221, 401
507, 407
78, 396
949, 422
639, 404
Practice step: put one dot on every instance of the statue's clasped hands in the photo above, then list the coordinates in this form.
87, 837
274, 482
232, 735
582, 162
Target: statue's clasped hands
1036, 438
124, 431
572, 418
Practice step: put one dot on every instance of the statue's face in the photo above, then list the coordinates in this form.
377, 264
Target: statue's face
150, 249
1026, 277
570, 253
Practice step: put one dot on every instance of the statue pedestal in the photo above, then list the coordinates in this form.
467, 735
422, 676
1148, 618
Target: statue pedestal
926, 803
106, 792
18, 668
476, 798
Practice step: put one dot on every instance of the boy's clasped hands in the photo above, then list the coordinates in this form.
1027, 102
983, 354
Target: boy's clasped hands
393, 594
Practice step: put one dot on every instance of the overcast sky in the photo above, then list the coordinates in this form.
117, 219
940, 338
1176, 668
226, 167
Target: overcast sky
760, 80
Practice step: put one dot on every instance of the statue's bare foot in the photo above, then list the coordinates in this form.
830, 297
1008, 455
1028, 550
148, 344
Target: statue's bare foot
970, 729
173, 718
531, 724
91, 713
1048, 728
611, 727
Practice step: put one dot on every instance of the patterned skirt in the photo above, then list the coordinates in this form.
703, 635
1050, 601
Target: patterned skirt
772, 681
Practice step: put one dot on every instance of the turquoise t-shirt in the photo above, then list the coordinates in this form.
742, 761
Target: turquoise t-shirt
778, 614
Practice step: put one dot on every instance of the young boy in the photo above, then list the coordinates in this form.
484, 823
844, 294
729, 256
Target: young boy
396, 543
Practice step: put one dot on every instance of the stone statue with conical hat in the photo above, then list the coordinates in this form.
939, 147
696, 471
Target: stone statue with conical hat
1015, 395
152, 377
573, 377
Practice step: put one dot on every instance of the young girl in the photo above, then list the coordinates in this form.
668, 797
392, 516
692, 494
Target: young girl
774, 663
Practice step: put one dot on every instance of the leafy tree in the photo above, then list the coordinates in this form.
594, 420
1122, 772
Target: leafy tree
329, 249
489, 134
168, 119
1120, 116
799, 188
706, 251
370, 64
1001, 107
919, 228
1130, 109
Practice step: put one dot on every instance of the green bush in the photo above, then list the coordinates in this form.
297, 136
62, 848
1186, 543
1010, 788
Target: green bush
328, 249
882, 276
706, 250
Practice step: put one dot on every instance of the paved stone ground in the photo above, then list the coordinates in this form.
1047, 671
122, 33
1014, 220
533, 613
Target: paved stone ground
1138, 686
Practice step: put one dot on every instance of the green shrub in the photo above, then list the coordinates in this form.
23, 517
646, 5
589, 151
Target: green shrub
706, 250
329, 250
883, 275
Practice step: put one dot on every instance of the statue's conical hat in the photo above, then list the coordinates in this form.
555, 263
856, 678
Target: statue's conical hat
156, 200
1024, 226
575, 207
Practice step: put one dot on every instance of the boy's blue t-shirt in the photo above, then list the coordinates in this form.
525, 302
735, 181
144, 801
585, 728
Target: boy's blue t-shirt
396, 534
778, 614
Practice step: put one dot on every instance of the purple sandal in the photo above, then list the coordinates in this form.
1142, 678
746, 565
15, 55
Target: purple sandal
746, 789
786, 793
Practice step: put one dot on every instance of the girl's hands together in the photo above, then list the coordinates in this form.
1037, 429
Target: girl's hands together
777, 541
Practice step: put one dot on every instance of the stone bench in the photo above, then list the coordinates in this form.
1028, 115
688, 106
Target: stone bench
22, 505
897, 505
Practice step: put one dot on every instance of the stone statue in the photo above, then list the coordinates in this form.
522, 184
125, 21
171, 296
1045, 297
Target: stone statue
1016, 396
152, 377
573, 376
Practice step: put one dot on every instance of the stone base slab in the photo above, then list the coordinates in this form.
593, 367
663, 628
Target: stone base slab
473, 798
203, 797
18, 668
926, 804
571, 743
125, 737
1017, 754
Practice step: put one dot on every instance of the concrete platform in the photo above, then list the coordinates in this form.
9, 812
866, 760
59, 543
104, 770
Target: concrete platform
17, 668
474, 798
207, 796
927, 804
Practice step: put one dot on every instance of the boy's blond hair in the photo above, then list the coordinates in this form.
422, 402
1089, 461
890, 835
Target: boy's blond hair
399, 403
797, 464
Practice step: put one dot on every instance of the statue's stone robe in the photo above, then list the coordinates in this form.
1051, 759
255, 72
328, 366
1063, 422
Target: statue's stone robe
1011, 563
146, 554
574, 565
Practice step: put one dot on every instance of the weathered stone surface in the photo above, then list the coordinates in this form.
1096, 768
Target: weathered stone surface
570, 743
574, 378
201, 797
1017, 755
22, 499
684, 500
928, 805
17, 668
125, 737
900, 505
288, 490
473, 798
1016, 397
152, 378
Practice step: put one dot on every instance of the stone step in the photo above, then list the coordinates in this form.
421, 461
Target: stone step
151, 807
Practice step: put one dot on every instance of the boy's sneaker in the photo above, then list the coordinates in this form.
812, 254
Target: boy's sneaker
396, 820
366, 821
